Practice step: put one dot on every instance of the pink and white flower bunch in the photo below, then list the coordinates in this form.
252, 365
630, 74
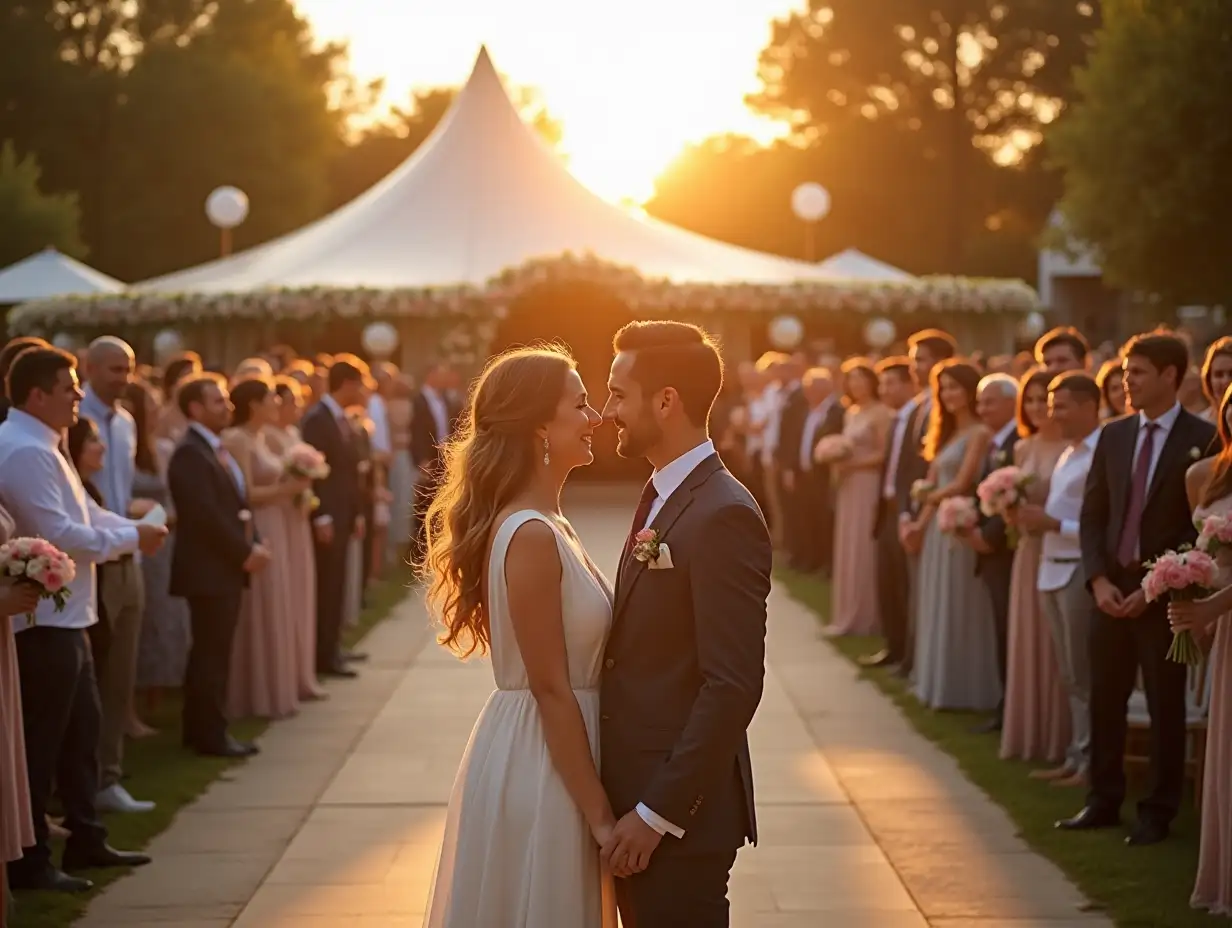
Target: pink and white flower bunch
956, 515
1214, 534
38, 561
1181, 575
833, 448
304, 462
1000, 493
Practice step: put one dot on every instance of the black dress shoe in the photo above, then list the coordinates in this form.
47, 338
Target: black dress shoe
1089, 819
99, 857
882, 658
229, 748
339, 670
985, 728
1145, 833
355, 657
52, 880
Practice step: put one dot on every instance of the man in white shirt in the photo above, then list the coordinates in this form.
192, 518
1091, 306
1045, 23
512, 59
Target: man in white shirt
61, 717
812, 508
1074, 402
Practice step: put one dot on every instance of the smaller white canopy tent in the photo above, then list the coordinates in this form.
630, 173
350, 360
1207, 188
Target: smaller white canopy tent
853, 264
52, 274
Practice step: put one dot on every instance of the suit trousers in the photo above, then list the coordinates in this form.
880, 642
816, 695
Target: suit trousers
331, 562
1070, 612
123, 592
678, 891
1119, 646
61, 721
208, 673
893, 584
996, 572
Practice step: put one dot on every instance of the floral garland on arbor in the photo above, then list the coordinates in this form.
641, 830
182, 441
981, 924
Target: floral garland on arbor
640, 294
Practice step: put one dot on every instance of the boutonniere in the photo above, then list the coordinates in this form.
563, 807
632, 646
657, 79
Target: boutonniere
1195, 453
652, 552
1000, 458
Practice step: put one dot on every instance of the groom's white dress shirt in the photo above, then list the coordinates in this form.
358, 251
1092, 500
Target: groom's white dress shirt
1061, 551
666, 482
46, 499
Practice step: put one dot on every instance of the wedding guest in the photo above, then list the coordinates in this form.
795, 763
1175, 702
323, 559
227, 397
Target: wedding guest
400, 410
787, 456
1144, 457
162, 652
61, 716
1217, 374
896, 387
85, 451
8, 354
1111, 383
252, 367
171, 422
263, 682
1192, 395
16, 826
1063, 349
214, 556
357, 561
853, 609
1036, 718
110, 362
385, 376
325, 426
299, 553
955, 661
430, 428
1209, 484
1065, 602
996, 405
816, 509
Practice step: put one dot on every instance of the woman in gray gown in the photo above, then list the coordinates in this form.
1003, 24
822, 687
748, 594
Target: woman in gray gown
955, 640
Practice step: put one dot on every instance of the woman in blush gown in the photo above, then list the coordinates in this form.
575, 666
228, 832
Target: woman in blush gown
1036, 723
265, 682
280, 438
955, 643
853, 600
507, 575
1209, 483
1216, 375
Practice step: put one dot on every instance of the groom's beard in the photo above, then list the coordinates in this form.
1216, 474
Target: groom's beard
635, 442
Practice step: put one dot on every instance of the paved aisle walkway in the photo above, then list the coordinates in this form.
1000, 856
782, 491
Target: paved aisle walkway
863, 823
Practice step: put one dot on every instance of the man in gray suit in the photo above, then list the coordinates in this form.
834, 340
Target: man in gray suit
685, 660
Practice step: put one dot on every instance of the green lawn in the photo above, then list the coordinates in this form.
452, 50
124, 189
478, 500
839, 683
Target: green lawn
159, 768
1137, 887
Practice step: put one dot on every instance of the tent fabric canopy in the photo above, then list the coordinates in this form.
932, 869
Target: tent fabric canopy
51, 274
853, 264
482, 195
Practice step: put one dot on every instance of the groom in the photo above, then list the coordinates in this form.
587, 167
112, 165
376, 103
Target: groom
684, 663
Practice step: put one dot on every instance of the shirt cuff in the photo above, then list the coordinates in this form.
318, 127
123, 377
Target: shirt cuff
1069, 528
323, 520
657, 822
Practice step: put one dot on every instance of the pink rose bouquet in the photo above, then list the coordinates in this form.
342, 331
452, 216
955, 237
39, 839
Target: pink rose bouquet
833, 448
1181, 575
956, 515
1214, 534
304, 462
38, 561
1001, 492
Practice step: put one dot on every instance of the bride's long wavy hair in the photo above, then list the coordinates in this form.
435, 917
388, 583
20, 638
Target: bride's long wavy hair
490, 459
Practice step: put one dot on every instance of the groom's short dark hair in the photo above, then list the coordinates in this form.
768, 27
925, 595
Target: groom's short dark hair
677, 355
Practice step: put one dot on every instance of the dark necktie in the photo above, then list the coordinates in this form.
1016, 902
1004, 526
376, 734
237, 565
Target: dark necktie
1127, 550
649, 495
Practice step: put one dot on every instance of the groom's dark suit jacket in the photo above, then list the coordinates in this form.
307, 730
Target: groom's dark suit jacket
685, 663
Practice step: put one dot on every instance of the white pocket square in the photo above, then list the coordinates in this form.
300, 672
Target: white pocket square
663, 561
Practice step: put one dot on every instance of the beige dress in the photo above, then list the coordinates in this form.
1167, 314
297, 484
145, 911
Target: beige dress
264, 679
517, 852
1037, 720
1213, 887
16, 828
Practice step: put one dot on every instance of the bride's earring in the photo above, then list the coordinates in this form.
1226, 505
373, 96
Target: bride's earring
546, 457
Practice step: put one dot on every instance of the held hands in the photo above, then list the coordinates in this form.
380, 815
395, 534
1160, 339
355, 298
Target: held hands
258, 559
324, 532
977, 542
140, 508
1108, 598
361, 529
294, 486
17, 597
1031, 518
1196, 616
150, 537
628, 849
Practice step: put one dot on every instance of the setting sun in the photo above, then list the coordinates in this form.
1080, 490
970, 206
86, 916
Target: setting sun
631, 89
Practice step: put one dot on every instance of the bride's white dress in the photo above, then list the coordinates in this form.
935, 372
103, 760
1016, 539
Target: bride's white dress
517, 852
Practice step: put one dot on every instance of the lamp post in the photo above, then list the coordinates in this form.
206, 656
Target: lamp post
810, 202
226, 208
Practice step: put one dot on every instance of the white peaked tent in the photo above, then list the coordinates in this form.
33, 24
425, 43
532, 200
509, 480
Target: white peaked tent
52, 274
854, 264
482, 195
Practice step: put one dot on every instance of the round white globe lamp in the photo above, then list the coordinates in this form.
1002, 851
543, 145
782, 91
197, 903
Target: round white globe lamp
166, 343
1032, 325
811, 203
379, 339
786, 332
879, 332
226, 208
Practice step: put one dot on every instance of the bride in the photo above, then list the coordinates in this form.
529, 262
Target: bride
508, 575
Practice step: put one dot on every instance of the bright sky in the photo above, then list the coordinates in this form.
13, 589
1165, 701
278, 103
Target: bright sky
632, 83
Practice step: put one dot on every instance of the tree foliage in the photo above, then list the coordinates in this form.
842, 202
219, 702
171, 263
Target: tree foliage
1146, 150
33, 220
